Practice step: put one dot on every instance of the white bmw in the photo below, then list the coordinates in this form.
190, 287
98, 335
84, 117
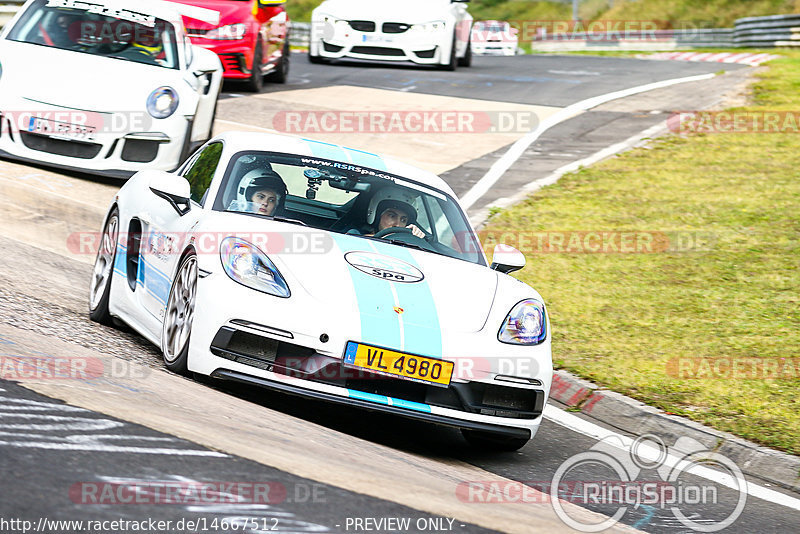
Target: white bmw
426, 32
105, 86
331, 273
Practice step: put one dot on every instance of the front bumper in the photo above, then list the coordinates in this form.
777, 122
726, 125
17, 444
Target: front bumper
236, 56
281, 346
117, 148
499, 48
422, 49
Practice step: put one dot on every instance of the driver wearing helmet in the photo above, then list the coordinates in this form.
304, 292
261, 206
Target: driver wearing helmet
266, 192
147, 44
392, 207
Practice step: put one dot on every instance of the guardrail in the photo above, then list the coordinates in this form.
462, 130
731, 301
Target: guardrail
767, 32
7, 10
299, 33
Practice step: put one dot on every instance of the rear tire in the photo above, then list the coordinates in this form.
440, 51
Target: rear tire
491, 442
177, 328
100, 286
256, 81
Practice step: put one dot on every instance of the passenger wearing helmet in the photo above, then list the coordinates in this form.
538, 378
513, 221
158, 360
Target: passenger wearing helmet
392, 207
266, 192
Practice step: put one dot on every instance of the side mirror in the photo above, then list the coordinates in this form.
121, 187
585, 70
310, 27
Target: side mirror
204, 61
174, 189
507, 259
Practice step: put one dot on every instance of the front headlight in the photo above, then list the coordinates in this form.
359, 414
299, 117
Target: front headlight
525, 324
162, 102
246, 264
229, 32
429, 27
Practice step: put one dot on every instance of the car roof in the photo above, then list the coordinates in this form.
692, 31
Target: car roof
163, 9
274, 142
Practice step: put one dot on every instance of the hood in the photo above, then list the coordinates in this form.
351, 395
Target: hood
229, 12
408, 11
82, 81
371, 277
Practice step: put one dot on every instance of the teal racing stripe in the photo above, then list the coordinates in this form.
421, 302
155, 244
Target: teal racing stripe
423, 332
389, 401
380, 326
380, 399
326, 150
366, 159
417, 406
119, 260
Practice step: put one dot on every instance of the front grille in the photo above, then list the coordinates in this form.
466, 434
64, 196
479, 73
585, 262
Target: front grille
140, 150
196, 31
306, 364
377, 51
233, 62
395, 27
61, 147
363, 25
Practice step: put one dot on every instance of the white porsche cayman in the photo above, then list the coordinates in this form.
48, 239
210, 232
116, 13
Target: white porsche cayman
105, 86
331, 273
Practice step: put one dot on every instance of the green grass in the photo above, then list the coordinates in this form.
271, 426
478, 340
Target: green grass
618, 319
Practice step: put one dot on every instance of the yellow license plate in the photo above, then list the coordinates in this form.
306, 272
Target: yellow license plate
399, 364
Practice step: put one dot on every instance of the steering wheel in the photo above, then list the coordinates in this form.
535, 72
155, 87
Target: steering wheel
405, 235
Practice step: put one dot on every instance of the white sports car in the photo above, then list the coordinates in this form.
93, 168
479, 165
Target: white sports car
330, 273
426, 32
105, 86
494, 37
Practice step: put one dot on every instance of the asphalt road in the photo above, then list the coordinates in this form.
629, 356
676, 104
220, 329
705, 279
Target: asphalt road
42, 291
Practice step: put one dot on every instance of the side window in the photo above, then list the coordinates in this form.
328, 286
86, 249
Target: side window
201, 171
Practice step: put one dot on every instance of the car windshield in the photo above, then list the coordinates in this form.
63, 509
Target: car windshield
98, 30
347, 199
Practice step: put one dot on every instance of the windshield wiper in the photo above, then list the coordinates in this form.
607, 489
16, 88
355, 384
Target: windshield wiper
279, 219
408, 245
290, 221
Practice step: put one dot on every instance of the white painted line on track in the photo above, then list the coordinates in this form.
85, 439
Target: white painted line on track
556, 175
516, 151
587, 428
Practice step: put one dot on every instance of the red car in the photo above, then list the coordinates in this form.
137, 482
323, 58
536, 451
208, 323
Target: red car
251, 39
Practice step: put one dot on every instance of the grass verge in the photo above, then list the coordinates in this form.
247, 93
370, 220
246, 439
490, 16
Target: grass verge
648, 324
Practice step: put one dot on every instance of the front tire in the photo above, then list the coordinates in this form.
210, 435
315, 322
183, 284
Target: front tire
256, 81
281, 72
466, 61
100, 286
453, 63
177, 329
491, 442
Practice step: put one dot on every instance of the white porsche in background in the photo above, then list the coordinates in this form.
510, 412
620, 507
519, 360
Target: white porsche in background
105, 86
425, 32
492, 37
315, 296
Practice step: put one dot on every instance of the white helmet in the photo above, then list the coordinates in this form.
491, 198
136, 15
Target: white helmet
391, 197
